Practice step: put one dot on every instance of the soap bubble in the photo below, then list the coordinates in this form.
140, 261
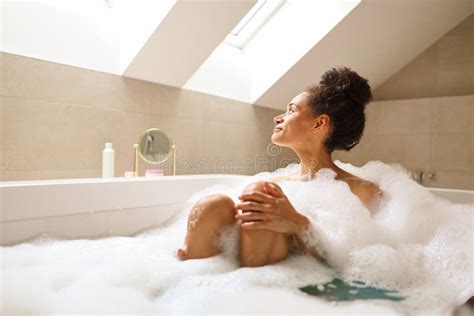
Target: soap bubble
415, 243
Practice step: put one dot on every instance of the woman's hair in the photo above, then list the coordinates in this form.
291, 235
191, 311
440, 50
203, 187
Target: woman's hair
342, 95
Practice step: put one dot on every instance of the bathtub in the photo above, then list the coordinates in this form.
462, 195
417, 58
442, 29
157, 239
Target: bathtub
96, 207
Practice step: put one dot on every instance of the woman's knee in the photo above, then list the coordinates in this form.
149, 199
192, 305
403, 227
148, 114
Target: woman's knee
219, 200
216, 206
261, 247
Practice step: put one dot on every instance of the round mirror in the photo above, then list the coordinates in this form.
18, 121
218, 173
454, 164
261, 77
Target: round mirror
155, 146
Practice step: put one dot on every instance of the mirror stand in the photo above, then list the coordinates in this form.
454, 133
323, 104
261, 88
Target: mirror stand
135, 163
155, 148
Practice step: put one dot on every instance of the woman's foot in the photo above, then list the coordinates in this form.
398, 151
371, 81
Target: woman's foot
180, 254
205, 222
184, 254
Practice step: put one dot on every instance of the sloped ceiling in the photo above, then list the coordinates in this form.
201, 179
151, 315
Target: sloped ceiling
377, 38
185, 39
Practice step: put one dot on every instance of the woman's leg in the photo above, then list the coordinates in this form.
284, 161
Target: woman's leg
207, 219
205, 222
261, 247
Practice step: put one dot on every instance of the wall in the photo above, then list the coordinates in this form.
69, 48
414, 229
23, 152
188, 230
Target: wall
427, 134
56, 119
422, 117
446, 68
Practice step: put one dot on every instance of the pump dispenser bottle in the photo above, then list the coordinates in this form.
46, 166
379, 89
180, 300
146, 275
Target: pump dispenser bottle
108, 161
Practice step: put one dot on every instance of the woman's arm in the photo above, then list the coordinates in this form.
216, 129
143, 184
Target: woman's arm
369, 194
273, 211
304, 234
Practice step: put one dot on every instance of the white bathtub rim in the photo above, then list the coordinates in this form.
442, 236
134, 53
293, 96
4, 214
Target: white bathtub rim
118, 179
162, 178
58, 201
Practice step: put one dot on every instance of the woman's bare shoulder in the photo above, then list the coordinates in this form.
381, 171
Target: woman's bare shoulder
368, 192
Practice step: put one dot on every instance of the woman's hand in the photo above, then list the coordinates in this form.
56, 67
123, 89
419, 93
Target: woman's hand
270, 210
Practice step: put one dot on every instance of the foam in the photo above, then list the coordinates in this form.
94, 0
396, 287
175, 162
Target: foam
416, 243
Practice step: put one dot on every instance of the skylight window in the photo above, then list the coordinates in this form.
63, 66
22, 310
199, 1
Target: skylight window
271, 38
260, 13
248, 17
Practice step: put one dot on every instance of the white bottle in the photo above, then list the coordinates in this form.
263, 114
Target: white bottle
108, 161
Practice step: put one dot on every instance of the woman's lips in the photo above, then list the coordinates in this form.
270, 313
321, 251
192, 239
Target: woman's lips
277, 129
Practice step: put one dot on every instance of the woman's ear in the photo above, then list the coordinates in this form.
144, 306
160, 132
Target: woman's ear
321, 121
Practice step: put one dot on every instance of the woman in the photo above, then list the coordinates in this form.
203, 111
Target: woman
324, 118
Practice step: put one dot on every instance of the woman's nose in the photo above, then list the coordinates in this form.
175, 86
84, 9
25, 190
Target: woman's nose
278, 119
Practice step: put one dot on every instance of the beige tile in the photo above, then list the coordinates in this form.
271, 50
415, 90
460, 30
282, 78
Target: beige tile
426, 60
406, 117
371, 118
467, 23
360, 154
36, 79
42, 80
444, 69
164, 100
224, 140
134, 95
421, 83
223, 110
458, 44
2, 131
75, 142
411, 151
186, 104
454, 115
456, 79
227, 146
127, 132
409, 83
417, 79
26, 133
452, 180
346, 157
43, 135
179, 103
284, 158
186, 134
268, 157
453, 152
129, 128
63, 116
456, 48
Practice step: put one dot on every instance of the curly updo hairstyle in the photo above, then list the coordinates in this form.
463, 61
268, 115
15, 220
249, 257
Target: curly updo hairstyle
342, 95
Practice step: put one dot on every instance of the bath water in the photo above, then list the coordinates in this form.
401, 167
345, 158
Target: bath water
416, 245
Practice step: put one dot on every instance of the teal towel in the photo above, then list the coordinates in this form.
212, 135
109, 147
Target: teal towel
338, 290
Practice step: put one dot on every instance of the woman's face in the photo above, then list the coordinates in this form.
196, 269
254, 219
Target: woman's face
297, 127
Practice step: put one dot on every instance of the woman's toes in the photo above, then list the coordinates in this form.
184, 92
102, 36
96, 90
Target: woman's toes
180, 254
